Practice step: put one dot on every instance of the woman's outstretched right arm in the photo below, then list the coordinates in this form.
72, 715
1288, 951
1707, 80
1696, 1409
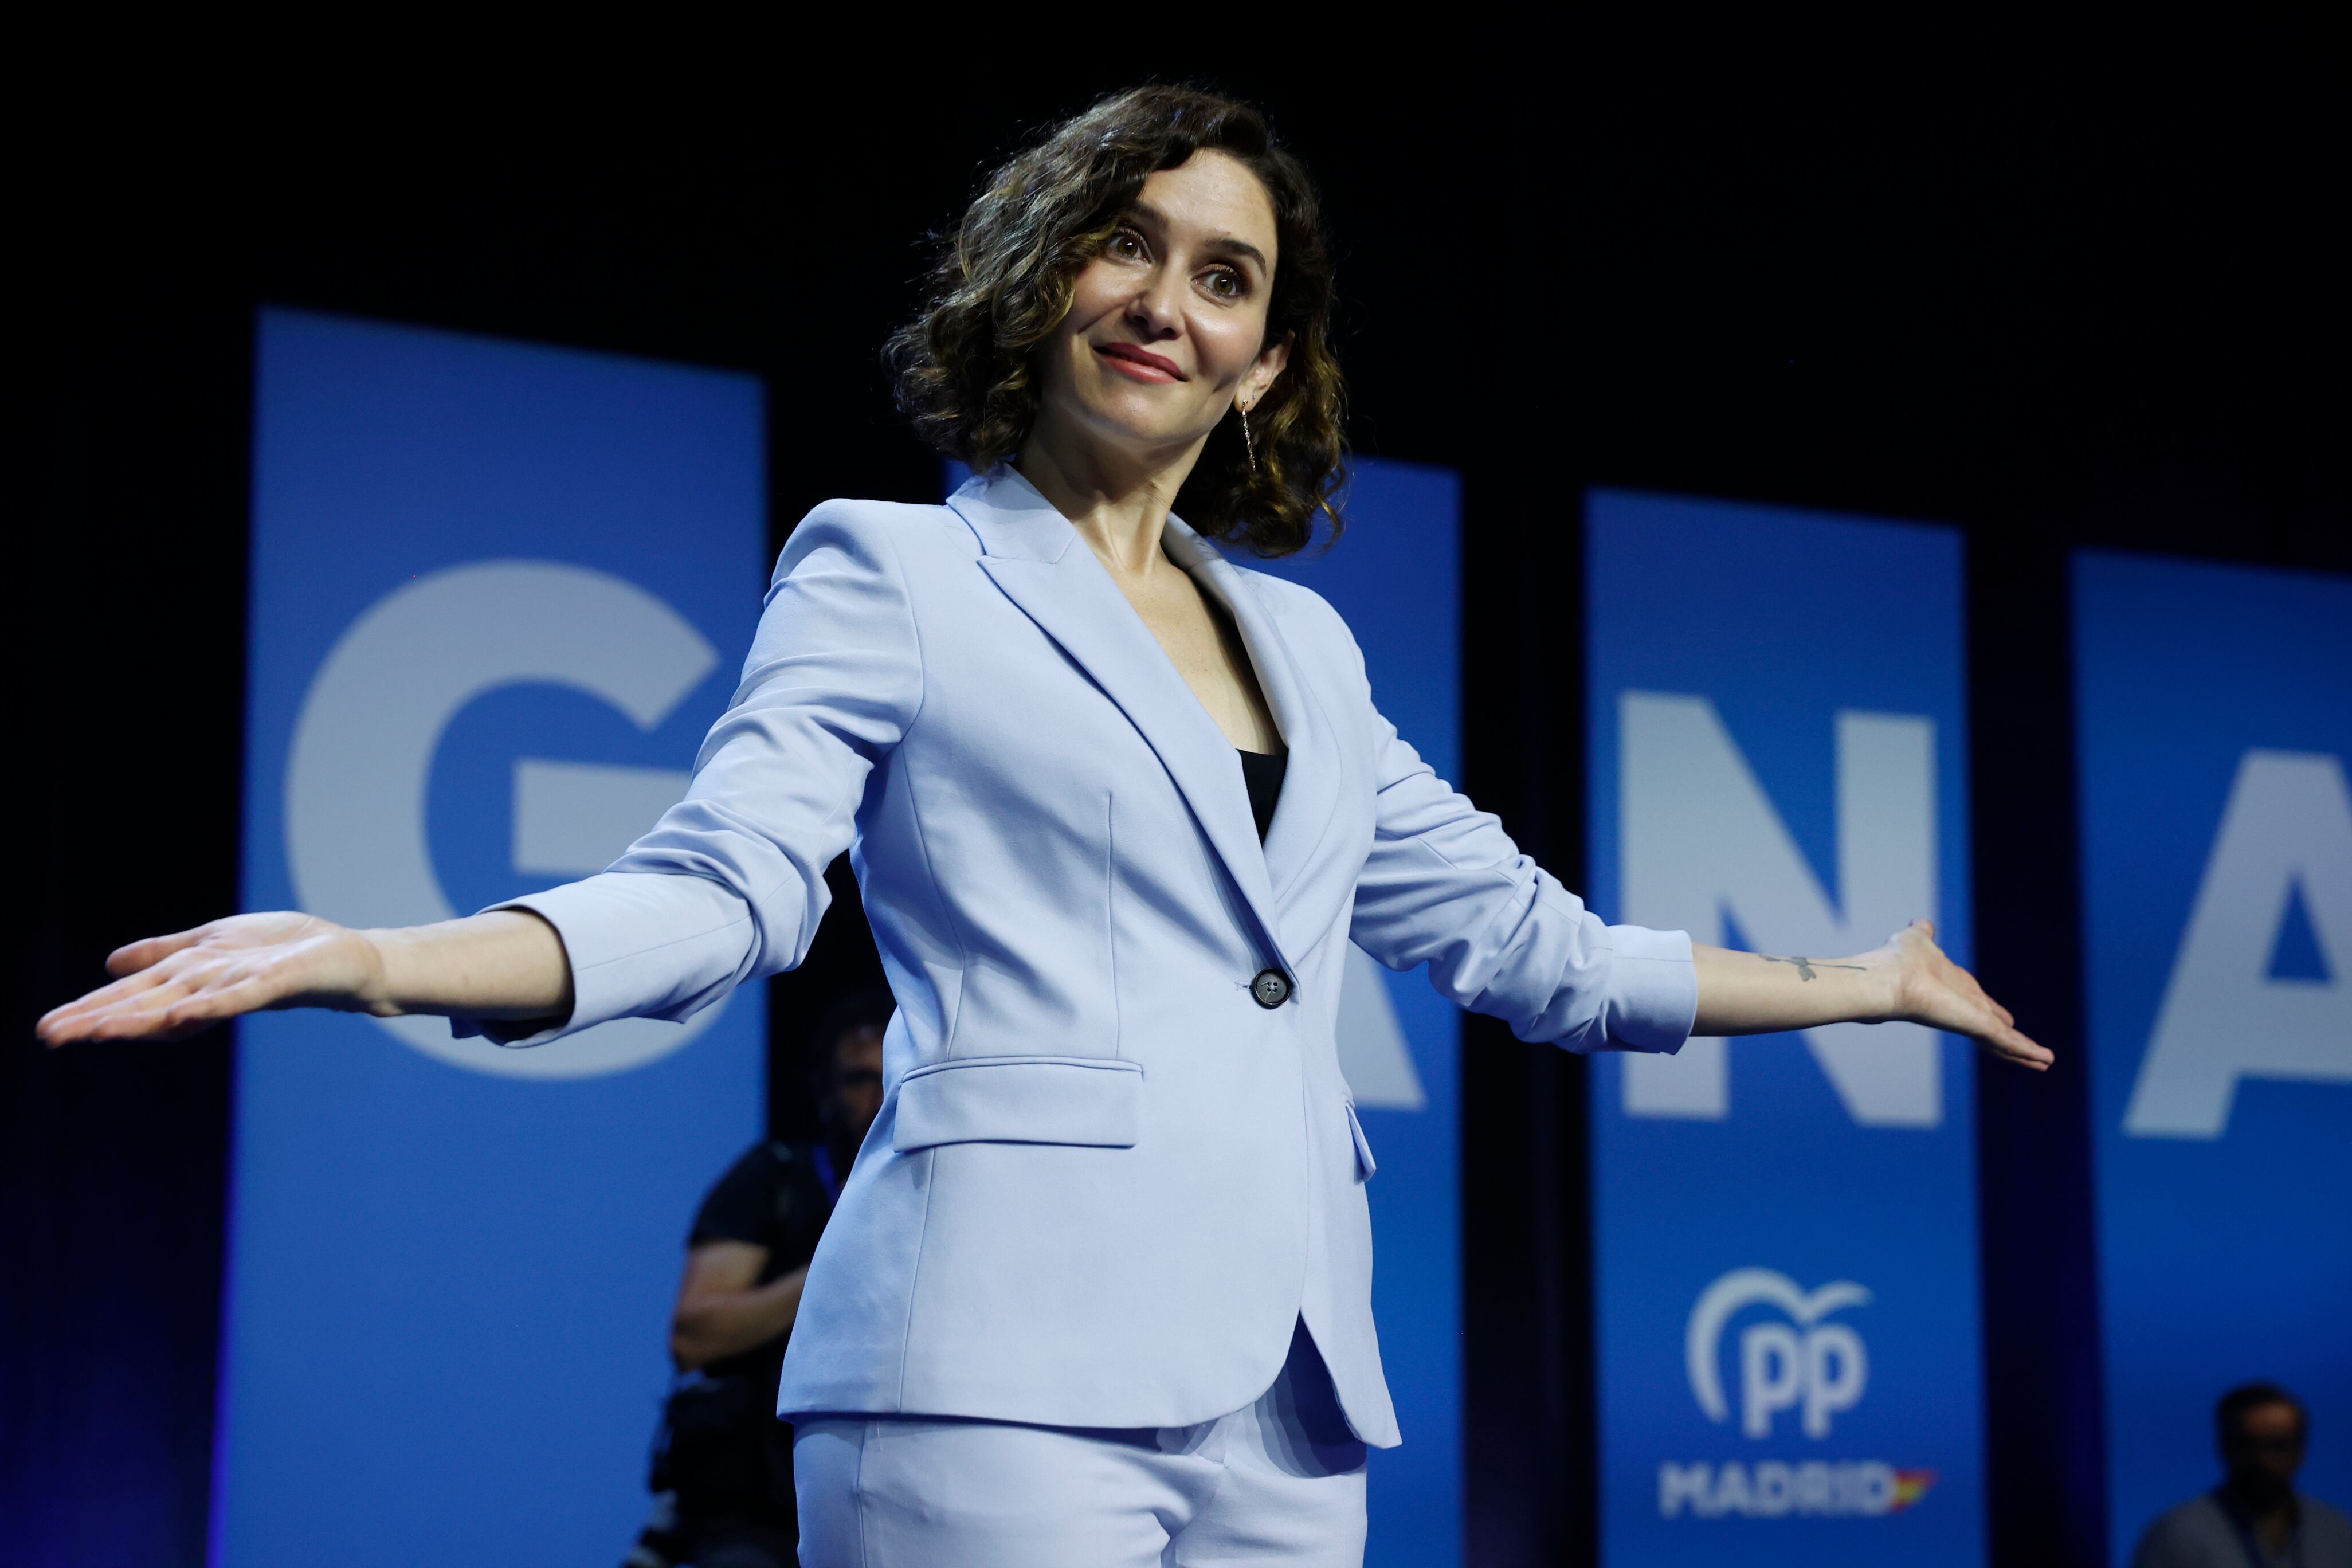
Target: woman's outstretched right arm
727, 887
506, 963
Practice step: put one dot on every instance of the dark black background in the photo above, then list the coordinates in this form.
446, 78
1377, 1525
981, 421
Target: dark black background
2055, 290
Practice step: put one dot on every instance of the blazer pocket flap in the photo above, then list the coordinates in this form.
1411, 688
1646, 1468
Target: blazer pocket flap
1091, 1101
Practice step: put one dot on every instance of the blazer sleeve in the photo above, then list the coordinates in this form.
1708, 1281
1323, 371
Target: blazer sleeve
1445, 886
729, 884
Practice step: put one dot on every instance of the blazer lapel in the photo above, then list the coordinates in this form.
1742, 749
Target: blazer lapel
1036, 559
1310, 784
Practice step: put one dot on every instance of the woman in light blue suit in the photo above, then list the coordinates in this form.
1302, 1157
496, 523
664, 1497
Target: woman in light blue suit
1098, 1287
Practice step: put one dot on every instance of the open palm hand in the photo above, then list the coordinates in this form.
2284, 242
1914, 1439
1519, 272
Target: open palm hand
1931, 989
168, 987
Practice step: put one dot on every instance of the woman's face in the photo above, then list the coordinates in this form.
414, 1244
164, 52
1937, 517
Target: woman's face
1166, 327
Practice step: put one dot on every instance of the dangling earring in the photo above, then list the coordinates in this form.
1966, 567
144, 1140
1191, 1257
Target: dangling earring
1248, 444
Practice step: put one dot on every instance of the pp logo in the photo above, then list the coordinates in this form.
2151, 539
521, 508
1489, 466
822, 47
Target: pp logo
1803, 1363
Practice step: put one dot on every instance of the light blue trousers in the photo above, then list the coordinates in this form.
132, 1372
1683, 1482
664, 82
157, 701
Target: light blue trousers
1279, 1482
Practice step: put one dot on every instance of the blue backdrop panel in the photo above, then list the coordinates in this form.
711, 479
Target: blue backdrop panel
2215, 713
1396, 578
1784, 1226
498, 594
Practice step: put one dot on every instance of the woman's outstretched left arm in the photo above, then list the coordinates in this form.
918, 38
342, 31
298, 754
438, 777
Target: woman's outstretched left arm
1446, 887
1908, 979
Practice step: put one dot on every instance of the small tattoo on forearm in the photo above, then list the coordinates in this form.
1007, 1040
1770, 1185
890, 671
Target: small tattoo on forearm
1805, 966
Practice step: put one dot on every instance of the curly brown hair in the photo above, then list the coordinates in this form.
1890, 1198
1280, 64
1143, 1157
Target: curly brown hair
964, 368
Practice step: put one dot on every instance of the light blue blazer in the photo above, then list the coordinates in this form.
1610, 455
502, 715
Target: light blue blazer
1106, 1181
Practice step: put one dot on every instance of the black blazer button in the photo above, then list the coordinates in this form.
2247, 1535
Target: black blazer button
1271, 988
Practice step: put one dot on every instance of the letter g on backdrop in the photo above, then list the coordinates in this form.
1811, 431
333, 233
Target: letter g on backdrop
357, 776
482, 571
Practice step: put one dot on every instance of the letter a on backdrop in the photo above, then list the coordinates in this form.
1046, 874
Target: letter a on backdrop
499, 592
2214, 706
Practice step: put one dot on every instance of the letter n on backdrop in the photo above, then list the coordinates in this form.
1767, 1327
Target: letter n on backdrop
1784, 1226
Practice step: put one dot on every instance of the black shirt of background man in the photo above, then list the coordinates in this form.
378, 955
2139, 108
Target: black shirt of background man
723, 1451
775, 1196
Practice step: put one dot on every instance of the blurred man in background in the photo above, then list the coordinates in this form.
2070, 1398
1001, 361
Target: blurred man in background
2255, 1518
722, 1474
